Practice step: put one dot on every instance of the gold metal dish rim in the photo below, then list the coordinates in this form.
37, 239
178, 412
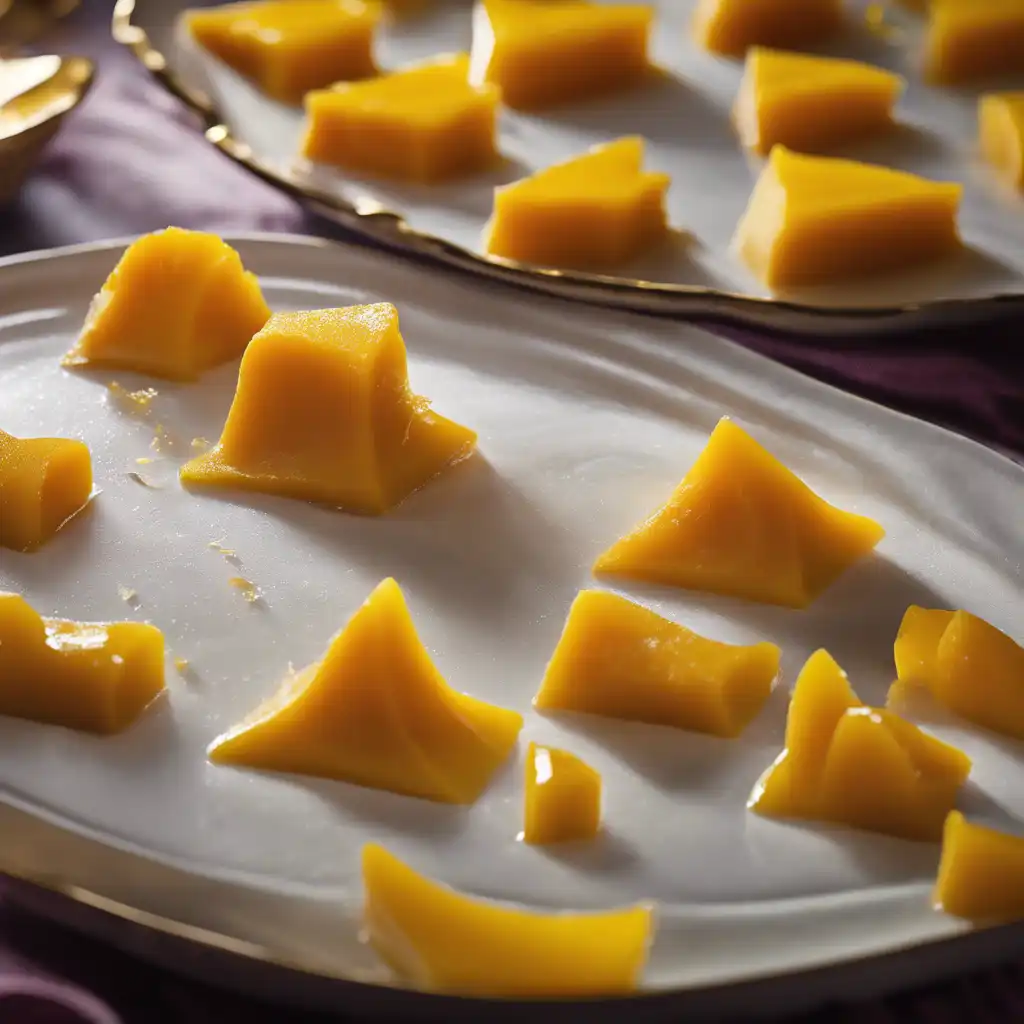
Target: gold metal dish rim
369, 218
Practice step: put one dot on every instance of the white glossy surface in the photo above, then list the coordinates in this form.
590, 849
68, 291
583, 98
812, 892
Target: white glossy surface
587, 420
686, 119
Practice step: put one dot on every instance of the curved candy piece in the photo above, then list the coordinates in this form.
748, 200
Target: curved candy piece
44, 481
621, 660
442, 940
742, 524
323, 412
376, 712
93, 676
730, 27
858, 766
563, 797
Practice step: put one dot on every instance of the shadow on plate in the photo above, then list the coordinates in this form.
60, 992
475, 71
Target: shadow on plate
607, 853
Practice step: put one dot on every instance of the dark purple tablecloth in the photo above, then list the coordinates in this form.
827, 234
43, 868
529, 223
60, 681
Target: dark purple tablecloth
131, 161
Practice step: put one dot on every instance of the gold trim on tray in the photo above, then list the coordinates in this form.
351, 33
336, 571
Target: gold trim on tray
367, 217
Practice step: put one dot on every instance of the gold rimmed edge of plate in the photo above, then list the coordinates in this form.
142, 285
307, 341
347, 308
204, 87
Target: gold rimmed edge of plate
367, 217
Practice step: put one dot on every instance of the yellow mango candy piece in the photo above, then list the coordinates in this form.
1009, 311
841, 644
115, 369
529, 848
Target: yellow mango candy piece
422, 124
593, 212
741, 524
809, 103
288, 47
545, 52
563, 797
813, 220
375, 712
1001, 134
621, 660
44, 481
981, 873
440, 940
323, 412
917, 644
731, 27
178, 303
92, 676
969, 39
858, 766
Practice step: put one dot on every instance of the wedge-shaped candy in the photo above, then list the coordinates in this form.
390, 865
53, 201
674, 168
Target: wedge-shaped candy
93, 676
621, 660
969, 39
423, 123
323, 412
810, 103
376, 712
44, 481
742, 524
288, 47
972, 668
858, 766
730, 27
1001, 134
589, 213
178, 303
545, 52
563, 797
981, 873
813, 220
439, 939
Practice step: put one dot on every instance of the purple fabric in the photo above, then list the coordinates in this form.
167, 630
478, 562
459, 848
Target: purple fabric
130, 160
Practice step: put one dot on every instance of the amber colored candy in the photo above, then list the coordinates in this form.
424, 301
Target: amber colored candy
323, 412
741, 524
621, 660
376, 712
44, 481
92, 676
972, 39
441, 940
177, 304
1001, 134
730, 27
563, 797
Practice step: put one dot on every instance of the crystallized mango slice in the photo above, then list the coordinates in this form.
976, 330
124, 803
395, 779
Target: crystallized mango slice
178, 303
858, 766
621, 660
323, 412
969, 39
288, 47
809, 103
814, 219
972, 668
375, 712
423, 123
1001, 134
981, 873
563, 797
730, 27
742, 524
439, 939
44, 481
545, 52
589, 213
93, 676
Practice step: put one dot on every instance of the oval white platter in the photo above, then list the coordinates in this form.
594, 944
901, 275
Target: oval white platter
587, 420
684, 115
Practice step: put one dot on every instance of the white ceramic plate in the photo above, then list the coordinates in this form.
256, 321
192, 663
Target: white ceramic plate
586, 421
686, 120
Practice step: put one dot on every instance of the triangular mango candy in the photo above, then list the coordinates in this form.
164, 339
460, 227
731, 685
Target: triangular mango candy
730, 27
621, 660
592, 212
807, 103
375, 712
323, 412
813, 220
178, 303
743, 525
858, 766
544, 52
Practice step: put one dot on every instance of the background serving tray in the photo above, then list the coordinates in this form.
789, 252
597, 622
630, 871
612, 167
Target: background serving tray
685, 117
